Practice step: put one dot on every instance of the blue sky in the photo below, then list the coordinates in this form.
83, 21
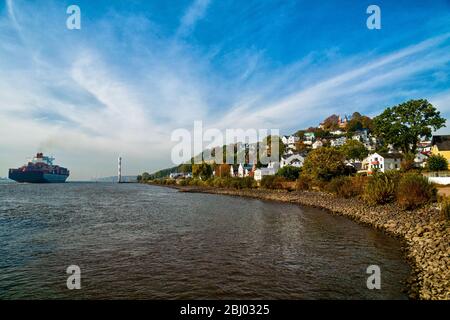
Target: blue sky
137, 70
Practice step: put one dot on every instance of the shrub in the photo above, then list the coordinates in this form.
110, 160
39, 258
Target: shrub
230, 182
289, 173
359, 183
342, 186
347, 187
235, 183
304, 182
407, 163
248, 182
445, 208
324, 164
184, 182
196, 182
381, 188
414, 191
272, 182
437, 163
169, 182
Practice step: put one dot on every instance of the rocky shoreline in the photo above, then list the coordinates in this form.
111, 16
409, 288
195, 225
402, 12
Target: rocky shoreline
425, 234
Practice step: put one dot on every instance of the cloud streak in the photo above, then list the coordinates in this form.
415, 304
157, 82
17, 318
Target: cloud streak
194, 13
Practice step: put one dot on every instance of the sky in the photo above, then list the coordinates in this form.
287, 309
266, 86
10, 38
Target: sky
138, 70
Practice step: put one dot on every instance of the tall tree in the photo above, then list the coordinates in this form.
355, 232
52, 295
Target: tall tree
331, 123
324, 163
354, 150
403, 125
202, 171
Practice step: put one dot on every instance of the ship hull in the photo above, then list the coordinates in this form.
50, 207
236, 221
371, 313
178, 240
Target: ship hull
36, 177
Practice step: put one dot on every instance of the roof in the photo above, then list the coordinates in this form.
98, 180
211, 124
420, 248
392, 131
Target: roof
292, 156
441, 142
391, 155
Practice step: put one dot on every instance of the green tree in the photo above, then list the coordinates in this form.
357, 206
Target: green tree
367, 123
354, 150
185, 167
354, 125
145, 176
359, 122
437, 162
300, 134
202, 171
322, 134
289, 173
403, 125
300, 146
324, 164
331, 123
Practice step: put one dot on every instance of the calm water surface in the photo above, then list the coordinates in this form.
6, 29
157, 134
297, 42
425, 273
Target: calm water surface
143, 242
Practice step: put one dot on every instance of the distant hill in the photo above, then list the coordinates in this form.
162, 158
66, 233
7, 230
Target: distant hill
114, 179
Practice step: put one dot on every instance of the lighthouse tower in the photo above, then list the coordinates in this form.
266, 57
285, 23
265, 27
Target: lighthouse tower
119, 170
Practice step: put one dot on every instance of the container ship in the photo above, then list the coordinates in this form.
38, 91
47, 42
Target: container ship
40, 169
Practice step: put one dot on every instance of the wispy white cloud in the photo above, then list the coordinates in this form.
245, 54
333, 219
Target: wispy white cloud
194, 13
334, 93
11, 14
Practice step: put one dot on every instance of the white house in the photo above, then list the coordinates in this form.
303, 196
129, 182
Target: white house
271, 169
289, 152
369, 146
260, 173
273, 165
294, 160
384, 162
244, 170
420, 160
309, 136
338, 142
234, 170
317, 144
289, 140
361, 136
424, 146
337, 132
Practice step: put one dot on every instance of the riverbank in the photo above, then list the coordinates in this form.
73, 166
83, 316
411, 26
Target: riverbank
425, 234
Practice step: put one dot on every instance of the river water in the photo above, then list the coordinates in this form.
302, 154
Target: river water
145, 242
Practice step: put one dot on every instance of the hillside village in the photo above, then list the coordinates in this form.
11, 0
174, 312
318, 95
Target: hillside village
367, 153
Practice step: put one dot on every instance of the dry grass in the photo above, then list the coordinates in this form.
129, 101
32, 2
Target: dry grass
444, 190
